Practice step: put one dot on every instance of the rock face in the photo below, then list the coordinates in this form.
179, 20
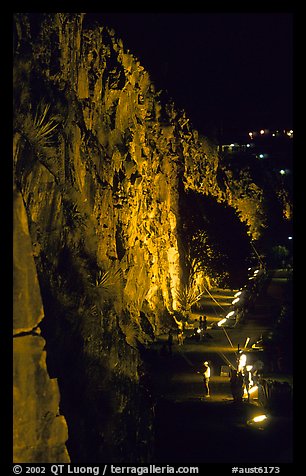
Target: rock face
40, 432
99, 162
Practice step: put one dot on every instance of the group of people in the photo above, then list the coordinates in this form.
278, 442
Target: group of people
244, 378
181, 334
180, 337
203, 323
241, 379
202, 327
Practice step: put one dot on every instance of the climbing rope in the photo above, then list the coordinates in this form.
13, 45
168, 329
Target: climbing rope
227, 336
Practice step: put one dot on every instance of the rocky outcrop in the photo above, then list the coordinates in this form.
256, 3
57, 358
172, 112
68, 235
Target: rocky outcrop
100, 161
40, 432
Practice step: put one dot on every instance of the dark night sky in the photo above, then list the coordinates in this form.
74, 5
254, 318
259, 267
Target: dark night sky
230, 70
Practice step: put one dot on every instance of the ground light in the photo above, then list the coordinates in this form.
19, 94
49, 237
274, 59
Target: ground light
259, 418
220, 323
258, 421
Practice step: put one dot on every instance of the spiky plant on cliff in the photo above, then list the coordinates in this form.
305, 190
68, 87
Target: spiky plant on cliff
74, 218
37, 134
108, 283
40, 130
187, 296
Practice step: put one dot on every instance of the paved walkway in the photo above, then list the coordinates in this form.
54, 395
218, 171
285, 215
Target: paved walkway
180, 380
185, 419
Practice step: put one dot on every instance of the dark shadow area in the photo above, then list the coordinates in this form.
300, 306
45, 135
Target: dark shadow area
108, 413
217, 432
216, 238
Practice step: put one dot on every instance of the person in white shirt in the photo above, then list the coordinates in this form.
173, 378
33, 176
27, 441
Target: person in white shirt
206, 377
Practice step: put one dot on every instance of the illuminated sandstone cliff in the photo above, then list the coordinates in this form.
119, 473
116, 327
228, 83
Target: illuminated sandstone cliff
99, 163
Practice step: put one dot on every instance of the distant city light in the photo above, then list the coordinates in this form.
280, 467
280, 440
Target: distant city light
282, 172
290, 237
233, 147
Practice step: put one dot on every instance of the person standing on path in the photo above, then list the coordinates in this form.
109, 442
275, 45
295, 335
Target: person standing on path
206, 378
204, 328
180, 337
248, 381
170, 341
237, 387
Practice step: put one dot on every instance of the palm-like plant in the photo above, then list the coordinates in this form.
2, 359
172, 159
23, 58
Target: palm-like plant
187, 296
43, 127
39, 130
107, 279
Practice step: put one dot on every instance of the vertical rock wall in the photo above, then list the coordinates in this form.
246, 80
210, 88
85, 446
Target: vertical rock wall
99, 161
40, 432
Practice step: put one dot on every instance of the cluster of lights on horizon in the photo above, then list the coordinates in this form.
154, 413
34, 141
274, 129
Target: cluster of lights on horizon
238, 147
267, 132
